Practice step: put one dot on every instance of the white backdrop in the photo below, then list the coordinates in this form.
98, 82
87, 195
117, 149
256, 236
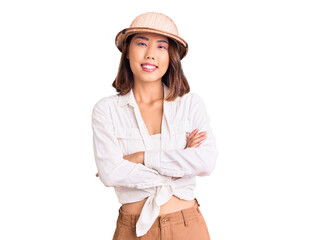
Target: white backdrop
262, 68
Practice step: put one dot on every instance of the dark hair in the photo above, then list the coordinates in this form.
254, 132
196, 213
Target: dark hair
174, 78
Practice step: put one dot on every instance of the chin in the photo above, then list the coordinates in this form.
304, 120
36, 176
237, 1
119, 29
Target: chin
151, 78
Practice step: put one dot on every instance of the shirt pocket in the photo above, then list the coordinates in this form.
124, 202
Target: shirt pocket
130, 140
180, 131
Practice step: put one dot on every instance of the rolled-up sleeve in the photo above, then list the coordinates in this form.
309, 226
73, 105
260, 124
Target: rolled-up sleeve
199, 161
112, 168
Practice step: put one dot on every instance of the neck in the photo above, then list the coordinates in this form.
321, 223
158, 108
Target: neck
148, 92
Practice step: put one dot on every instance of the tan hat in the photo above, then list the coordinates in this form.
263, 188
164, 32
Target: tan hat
153, 22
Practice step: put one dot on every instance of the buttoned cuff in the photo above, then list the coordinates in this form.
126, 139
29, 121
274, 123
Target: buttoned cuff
152, 159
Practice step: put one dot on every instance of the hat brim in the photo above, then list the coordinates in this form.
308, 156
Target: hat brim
125, 33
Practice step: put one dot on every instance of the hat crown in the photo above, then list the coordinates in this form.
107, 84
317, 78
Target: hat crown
156, 21
153, 22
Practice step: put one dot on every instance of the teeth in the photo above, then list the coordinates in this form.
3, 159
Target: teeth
149, 66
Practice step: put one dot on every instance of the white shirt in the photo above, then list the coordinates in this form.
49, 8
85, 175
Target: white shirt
119, 130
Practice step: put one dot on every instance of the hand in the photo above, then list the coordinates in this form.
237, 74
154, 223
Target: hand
193, 140
137, 157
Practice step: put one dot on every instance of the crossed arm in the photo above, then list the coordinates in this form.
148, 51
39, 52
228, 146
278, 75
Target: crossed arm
152, 168
193, 140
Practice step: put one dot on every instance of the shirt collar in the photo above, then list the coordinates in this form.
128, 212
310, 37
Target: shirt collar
129, 97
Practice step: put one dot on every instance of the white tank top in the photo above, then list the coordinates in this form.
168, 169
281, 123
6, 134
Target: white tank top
156, 141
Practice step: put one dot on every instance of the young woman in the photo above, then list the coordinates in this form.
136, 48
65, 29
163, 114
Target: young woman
153, 138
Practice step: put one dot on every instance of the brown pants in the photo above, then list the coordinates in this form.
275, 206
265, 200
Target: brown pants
187, 224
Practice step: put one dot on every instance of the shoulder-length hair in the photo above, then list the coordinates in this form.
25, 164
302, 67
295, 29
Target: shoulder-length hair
174, 78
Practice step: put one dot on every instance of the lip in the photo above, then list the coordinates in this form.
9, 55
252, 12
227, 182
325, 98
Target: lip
146, 69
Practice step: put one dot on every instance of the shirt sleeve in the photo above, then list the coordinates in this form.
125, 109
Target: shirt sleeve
113, 169
193, 161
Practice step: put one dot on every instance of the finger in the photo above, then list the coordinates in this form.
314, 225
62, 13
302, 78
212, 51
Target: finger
197, 145
199, 137
204, 133
193, 139
194, 145
199, 134
192, 134
197, 140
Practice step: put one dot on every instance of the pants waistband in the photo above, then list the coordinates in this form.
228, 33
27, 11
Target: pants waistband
179, 217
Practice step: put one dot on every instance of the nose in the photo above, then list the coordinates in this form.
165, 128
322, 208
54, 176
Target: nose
150, 54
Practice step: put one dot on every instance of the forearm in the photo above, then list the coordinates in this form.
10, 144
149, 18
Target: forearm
130, 175
183, 162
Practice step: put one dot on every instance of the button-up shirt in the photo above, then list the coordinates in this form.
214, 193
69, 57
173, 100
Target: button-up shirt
119, 130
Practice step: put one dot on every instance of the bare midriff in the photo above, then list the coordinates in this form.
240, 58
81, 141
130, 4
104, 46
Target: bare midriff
173, 205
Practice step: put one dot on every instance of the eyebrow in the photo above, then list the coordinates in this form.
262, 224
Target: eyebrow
145, 38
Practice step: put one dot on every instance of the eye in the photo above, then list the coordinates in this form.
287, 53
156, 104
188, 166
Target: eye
141, 44
162, 47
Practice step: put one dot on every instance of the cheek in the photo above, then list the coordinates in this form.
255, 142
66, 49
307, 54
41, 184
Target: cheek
165, 64
135, 56
134, 64
132, 67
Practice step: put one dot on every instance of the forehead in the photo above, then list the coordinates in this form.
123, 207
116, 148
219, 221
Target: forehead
151, 36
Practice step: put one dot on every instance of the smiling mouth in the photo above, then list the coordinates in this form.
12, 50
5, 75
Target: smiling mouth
149, 67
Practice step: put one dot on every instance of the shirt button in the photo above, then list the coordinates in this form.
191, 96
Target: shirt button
164, 219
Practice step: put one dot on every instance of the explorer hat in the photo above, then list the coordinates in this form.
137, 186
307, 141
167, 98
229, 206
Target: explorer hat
152, 22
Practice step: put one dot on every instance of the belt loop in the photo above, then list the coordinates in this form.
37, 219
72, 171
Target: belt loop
185, 223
